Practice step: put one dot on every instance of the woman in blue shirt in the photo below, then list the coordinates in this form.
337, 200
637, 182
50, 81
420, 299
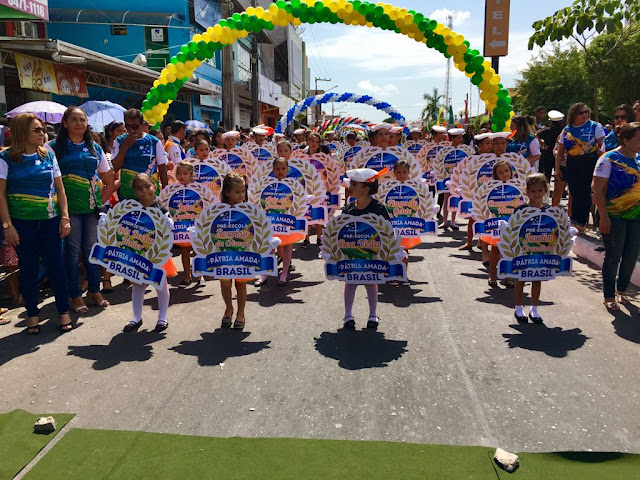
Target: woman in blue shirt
580, 141
33, 209
616, 186
88, 181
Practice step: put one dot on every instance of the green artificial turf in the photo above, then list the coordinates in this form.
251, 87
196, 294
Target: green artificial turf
18, 444
104, 454
98, 454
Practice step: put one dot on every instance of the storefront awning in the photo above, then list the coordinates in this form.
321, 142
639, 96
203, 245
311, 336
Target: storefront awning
71, 15
99, 69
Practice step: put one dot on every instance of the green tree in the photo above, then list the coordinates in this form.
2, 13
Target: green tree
430, 111
583, 21
555, 79
618, 85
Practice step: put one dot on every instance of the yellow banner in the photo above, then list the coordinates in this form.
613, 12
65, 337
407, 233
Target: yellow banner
36, 74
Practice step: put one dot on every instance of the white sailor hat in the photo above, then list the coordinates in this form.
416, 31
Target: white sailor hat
231, 133
365, 174
456, 131
439, 129
555, 115
381, 126
299, 131
482, 136
416, 130
259, 131
278, 135
395, 129
500, 135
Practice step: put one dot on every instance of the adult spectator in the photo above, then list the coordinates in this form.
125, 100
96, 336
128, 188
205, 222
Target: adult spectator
616, 185
33, 209
469, 134
622, 114
82, 164
539, 114
580, 141
137, 152
523, 141
549, 135
173, 145
636, 109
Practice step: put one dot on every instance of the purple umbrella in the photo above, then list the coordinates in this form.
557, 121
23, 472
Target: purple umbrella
50, 112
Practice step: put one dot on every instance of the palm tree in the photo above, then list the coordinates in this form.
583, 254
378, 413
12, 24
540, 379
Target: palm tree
430, 111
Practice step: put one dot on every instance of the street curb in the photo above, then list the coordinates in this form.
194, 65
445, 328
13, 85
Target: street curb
584, 247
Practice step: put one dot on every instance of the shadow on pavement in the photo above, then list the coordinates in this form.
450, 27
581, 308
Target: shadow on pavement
216, 347
124, 347
554, 342
627, 325
358, 349
403, 295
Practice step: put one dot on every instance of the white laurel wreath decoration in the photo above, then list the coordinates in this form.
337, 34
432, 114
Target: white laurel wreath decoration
402, 153
202, 243
390, 247
298, 206
247, 166
510, 246
426, 202
160, 251
480, 209
426, 156
439, 170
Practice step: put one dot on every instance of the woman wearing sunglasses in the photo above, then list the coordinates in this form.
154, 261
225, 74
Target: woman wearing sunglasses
622, 115
33, 209
580, 141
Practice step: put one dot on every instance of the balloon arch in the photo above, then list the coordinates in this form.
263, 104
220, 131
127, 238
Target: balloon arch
282, 13
336, 97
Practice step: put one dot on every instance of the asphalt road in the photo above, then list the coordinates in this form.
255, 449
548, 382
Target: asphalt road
447, 364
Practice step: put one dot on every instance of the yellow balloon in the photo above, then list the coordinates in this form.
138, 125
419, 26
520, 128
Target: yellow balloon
197, 37
468, 75
156, 83
451, 50
273, 9
483, 85
206, 37
445, 31
495, 80
171, 78
156, 110
487, 65
250, 11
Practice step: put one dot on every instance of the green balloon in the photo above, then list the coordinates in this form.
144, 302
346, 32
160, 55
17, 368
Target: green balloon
193, 47
201, 56
378, 10
423, 26
431, 42
503, 93
466, 42
181, 57
191, 56
370, 17
318, 7
469, 68
501, 102
174, 60
236, 16
146, 105
418, 18
478, 59
164, 97
184, 49
476, 79
433, 24
171, 87
161, 89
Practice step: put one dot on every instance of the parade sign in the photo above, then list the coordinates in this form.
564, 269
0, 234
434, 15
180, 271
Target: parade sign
426, 157
134, 242
185, 204
301, 170
378, 159
238, 159
233, 242
445, 162
473, 172
347, 157
362, 249
260, 154
283, 201
415, 146
495, 201
535, 245
329, 171
411, 207
210, 173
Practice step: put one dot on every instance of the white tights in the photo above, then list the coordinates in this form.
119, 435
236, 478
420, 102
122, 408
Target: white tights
137, 299
350, 295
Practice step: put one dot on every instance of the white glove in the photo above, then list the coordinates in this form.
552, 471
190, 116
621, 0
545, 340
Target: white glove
324, 255
102, 219
274, 242
573, 231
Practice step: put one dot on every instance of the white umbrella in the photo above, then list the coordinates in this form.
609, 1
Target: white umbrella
102, 113
45, 110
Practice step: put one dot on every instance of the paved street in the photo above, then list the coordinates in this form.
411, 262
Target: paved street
447, 365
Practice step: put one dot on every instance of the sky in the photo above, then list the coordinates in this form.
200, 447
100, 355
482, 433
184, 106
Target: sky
398, 70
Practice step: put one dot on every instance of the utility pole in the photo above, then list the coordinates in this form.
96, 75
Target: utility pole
319, 107
255, 88
227, 76
447, 82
